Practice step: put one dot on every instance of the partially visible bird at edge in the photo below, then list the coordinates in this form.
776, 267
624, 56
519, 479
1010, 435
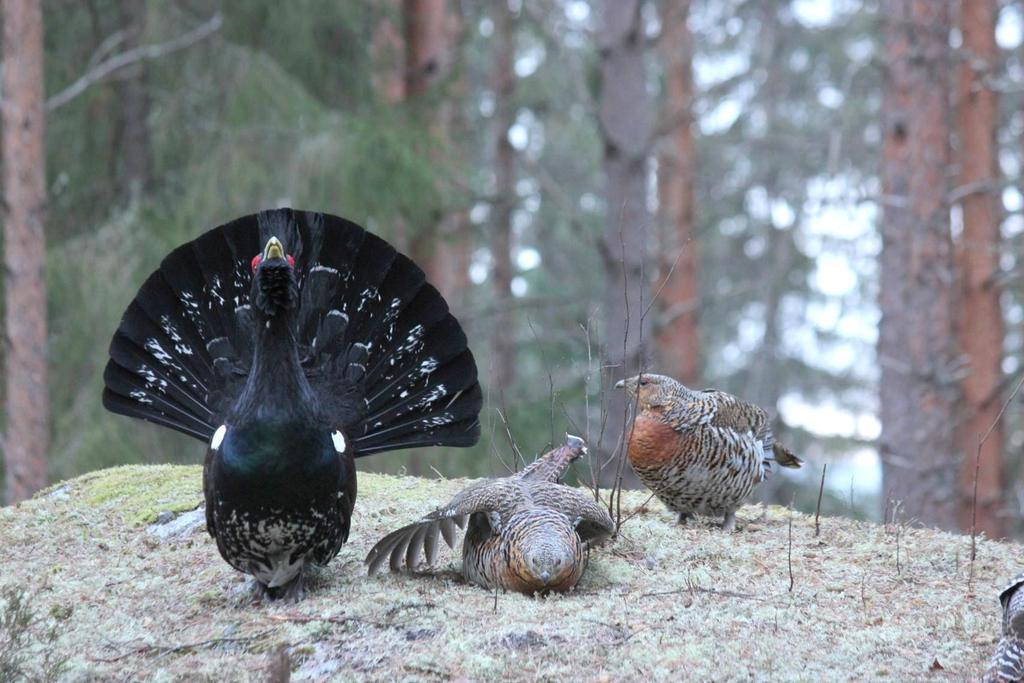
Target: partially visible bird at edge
291, 343
700, 452
1008, 661
526, 532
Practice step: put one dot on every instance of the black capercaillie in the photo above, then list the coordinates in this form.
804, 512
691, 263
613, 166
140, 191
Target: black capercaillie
292, 343
526, 532
700, 452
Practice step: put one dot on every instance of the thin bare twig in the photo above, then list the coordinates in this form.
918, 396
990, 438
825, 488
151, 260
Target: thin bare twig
974, 513
977, 467
899, 527
789, 556
102, 70
817, 508
163, 650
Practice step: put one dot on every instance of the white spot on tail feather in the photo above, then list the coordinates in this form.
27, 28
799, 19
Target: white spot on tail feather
218, 436
323, 268
339, 441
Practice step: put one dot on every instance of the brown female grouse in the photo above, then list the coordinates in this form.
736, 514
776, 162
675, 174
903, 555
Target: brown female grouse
527, 533
700, 452
1008, 662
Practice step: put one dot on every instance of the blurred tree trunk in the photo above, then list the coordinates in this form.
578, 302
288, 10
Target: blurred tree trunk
131, 137
981, 319
678, 337
388, 54
440, 243
503, 84
917, 345
430, 29
625, 125
27, 437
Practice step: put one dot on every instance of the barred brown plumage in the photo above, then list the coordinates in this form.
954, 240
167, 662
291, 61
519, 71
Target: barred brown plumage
700, 452
1008, 661
526, 532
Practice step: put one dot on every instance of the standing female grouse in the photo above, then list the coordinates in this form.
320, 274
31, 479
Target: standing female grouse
700, 452
292, 343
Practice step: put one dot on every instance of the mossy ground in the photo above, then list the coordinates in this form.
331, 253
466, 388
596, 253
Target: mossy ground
660, 603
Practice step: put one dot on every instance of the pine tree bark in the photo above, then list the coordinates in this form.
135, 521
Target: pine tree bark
425, 43
439, 244
388, 54
917, 336
678, 338
503, 83
132, 140
27, 437
981, 319
625, 123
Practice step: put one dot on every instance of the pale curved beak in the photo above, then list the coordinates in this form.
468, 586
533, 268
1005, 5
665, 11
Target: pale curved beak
274, 249
545, 576
621, 384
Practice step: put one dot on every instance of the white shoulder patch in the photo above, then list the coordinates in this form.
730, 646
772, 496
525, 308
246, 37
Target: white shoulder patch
218, 436
339, 441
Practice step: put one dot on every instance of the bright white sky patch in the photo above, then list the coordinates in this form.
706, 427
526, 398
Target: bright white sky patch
528, 258
519, 287
1012, 199
528, 63
814, 13
1009, 29
861, 471
830, 97
829, 420
480, 212
721, 117
833, 275
577, 11
518, 136
487, 104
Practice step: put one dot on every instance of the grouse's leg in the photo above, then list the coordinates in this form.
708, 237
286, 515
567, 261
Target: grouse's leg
729, 523
258, 590
294, 590
683, 518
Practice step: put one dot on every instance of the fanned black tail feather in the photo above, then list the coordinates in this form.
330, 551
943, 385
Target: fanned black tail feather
387, 360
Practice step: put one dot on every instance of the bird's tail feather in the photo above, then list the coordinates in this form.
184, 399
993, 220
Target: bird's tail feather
390, 364
785, 457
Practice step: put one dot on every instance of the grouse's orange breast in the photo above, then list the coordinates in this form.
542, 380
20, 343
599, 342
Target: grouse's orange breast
652, 443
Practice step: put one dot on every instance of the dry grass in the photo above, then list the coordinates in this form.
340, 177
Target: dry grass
661, 603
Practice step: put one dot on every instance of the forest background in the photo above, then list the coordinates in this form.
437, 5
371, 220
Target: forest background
814, 204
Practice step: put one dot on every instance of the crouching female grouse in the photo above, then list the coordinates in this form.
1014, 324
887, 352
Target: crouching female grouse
700, 452
292, 343
527, 533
